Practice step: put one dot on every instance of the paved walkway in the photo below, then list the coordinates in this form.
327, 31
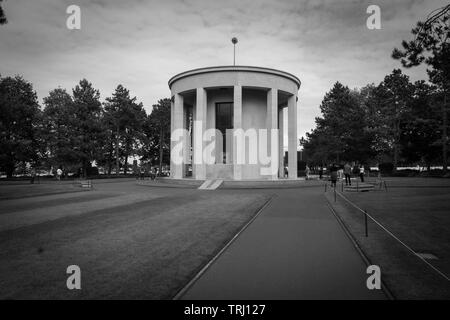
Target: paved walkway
295, 249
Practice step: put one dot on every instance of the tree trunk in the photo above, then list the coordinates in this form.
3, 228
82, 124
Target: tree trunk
125, 165
161, 141
110, 154
395, 156
9, 166
85, 169
396, 144
117, 151
110, 157
9, 172
444, 135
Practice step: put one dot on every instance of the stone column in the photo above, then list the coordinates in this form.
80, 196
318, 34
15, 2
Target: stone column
292, 136
187, 141
176, 169
199, 130
237, 124
281, 143
272, 120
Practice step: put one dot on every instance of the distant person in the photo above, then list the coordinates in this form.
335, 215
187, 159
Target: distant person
152, 173
355, 170
333, 175
340, 172
320, 173
33, 175
307, 171
347, 174
59, 173
361, 172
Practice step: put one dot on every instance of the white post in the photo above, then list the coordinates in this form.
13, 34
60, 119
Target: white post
187, 145
292, 136
199, 130
237, 124
176, 170
272, 120
281, 142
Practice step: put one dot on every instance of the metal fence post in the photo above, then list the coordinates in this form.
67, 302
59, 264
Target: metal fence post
365, 223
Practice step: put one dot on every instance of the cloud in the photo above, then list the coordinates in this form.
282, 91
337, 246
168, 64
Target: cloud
141, 44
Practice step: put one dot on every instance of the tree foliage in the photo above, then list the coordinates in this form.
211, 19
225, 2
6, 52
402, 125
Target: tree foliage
419, 138
396, 92
124, 120
431, 45
58, 126
87, 132
157, 133
393, 120
3, 19
341, 133
19, 122
75, 131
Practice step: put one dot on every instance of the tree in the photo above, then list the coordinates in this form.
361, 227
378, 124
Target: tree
431, 45
396, 91
157, 132
3, 19
372, 99
316, 147
58, 128
20, 116
124, 119
419, 137
341, 133
108, 148
87, 132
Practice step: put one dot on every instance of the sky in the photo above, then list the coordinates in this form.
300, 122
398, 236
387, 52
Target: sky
141, 44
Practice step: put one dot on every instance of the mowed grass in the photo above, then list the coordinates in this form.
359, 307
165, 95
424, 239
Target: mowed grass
147, 249
417, 212
22, 190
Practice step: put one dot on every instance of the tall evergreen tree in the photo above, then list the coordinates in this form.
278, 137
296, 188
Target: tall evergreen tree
58, 128
157, 132
419, 138
125, 119
431, 45
19, 122
87, 131
397, 92
341, 132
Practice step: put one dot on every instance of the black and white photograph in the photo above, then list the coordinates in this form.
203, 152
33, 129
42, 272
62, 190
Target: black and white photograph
224, 155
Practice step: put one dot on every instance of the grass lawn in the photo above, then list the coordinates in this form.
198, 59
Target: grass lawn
417, 211
19, 191
146, 248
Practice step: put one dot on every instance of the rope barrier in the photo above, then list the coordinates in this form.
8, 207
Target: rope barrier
393, 236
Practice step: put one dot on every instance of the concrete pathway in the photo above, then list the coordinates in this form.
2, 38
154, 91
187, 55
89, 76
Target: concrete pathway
295, 249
